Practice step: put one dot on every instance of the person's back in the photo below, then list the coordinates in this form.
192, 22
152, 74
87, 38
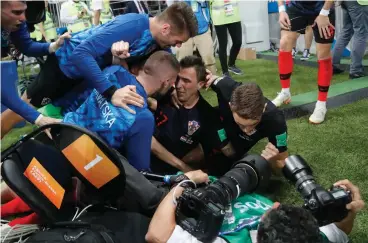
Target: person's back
114, 124
130, 134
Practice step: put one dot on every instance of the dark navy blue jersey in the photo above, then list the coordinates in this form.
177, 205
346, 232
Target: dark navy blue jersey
181, 130
272, 124
308, 7
130, 134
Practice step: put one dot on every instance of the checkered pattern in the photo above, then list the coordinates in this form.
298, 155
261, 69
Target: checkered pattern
140, 47
111, 123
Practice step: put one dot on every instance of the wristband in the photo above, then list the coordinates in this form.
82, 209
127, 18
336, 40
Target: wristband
53, 47
282, 8
178, 179
181, 185
109, 92
324, 12
38, 119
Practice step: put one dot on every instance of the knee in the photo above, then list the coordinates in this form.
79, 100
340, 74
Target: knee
286, 44
324, 53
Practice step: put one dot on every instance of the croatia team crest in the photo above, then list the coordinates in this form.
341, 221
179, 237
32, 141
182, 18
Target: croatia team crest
193, 126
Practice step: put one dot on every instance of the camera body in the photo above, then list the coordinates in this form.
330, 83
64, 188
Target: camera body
201, 211
326, 206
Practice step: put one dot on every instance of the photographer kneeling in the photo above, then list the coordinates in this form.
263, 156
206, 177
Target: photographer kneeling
281, 223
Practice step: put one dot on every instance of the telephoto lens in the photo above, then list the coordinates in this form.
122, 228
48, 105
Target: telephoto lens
201, 211
298, 172
246, 176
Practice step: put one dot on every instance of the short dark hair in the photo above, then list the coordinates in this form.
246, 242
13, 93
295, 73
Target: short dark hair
288, 224
181, 18
248, 101
159, 58
196, 63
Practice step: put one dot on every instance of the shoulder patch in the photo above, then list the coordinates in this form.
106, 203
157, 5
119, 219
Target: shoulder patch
222, 134
281, 140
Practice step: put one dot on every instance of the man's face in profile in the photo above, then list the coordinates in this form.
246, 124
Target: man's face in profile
168, 78
169, 38
12, 14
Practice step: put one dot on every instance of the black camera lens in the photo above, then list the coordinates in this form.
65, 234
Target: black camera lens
246, 176
298, 172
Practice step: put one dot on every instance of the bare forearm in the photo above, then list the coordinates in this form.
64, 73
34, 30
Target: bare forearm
228, 150
328, 4
194, 156
164, 155
164, 216
347, 223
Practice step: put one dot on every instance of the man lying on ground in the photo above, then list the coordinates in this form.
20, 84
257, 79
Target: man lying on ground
249, 117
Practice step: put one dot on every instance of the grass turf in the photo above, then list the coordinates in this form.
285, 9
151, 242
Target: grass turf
335, 150
265, 74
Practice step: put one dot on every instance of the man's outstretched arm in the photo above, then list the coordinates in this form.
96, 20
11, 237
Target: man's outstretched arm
163, 154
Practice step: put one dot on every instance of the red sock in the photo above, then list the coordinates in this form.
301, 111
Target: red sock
324, 78
29, 219
285, 68
13, 207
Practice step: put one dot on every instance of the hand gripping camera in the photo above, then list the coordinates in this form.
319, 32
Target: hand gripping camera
201, 211
326, 206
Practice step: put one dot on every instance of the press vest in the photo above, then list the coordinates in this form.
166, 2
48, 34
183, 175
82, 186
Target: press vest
202, 14
224, 12
106, 14
36, 34
79, 24
49, 27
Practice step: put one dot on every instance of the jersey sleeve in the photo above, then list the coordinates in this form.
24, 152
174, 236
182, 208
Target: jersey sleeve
84, 56
333, 234
224, 87
213, 135
26, 45
278, 133
138, 142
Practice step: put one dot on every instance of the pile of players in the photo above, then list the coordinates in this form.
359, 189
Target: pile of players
120, 81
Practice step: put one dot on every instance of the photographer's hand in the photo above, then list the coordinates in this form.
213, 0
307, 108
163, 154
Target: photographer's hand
163, 221
197, 176
355, 206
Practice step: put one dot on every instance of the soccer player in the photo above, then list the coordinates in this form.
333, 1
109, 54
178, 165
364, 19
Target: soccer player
82, 58
129, 133
293, 20
14, 31
181, 130
249, 117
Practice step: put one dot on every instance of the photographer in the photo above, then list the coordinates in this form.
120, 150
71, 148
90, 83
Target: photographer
282, 223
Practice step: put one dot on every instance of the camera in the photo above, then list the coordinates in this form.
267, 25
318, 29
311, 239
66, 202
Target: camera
326, 206
201, 211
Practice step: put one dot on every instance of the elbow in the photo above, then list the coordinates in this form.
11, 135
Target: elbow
154, 236
151, 237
